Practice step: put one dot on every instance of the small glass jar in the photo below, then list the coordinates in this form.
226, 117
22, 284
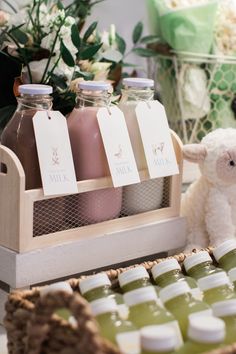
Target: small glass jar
89, 154
18, 134
200, 265
158, 340
147, 195
134, 278
216, 287
225, 254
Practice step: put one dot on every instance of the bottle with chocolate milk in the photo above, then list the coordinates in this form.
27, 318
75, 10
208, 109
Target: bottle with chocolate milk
19, 136
89, 154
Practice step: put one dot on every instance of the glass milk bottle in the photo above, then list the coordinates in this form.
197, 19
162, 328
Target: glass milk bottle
120, 332
89, 155
225, 254
226, 310
18, 134
232, 277
205, 333
200, 265
158, 340
146, 195
216, 287
178, 300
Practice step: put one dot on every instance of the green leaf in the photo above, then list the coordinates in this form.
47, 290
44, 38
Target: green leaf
137, 32
66, 55
112, 55
75, 36
150, 39
89, 31
19, 35
59, 81
89, 52
144, 52
120, 43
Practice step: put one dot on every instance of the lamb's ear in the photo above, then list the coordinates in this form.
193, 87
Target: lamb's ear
194, 152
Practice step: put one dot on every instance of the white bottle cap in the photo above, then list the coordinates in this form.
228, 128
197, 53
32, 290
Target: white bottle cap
195, 259
94, 85
93, 282
224, 308
35, 89
164, 267
137, 82
103, 305
206, 329
132, 274
140, 295
156, 338
232, 274
224, 248
213, 281
52, 288
173, 290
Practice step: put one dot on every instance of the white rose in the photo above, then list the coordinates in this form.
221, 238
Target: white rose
37, 69
4, 18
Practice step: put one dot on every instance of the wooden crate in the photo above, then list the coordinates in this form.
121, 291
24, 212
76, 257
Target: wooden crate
17, 207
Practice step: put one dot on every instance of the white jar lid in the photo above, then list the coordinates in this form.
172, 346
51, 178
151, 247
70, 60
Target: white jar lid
213, 281
206, 329
35, 89
224, 248
164, 267
103, 305
140, 295
93, 282
232, 274
59, 286
224, 308
94, 85
173, 290
158, 338
132, 274
137, 82
196, 259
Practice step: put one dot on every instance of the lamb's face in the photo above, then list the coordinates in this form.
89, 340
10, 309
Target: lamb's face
216, 156
226, 166
219, 165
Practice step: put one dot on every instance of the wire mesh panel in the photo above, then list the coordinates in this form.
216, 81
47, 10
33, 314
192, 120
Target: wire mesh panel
198, 93
78, 210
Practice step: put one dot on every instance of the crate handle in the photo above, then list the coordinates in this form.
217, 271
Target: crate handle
10, 164
89, 339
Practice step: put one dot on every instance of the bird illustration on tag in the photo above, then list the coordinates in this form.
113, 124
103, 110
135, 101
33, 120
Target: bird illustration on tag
158, 147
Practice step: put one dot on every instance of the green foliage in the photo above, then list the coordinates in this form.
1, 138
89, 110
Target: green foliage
89, 31
66, 55
90, 51
137, 32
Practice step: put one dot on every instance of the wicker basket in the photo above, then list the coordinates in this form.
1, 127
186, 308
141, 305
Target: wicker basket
32, 327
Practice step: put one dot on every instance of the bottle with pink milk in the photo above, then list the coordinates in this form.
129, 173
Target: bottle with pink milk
147, 195
89, 154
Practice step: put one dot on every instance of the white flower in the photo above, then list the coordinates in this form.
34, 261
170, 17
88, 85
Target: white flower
105, 40
225, 32
37, 69
100, 70
4, 18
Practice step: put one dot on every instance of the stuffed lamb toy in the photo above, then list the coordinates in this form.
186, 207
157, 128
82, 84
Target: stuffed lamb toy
210, 202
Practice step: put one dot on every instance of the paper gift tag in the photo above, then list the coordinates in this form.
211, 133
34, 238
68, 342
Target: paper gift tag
156, 138
117, 146
54, 153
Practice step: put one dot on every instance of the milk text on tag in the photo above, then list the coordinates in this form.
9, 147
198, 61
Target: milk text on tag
156, 138
54, 153
117, 146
